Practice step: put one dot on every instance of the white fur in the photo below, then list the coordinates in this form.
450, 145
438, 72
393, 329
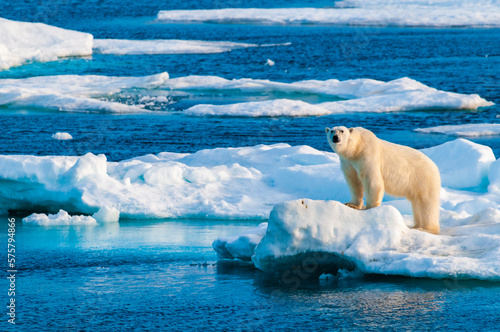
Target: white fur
373, 166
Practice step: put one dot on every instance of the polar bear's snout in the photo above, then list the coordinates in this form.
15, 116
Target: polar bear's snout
336, 138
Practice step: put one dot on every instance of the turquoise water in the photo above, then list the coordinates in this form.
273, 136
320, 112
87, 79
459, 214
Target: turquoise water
164, 275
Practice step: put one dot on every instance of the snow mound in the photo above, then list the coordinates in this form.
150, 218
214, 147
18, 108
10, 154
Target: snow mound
61, 136
61, 218
421, 13
22, 42
473, 161
230, 183
306, 237
466, 130
167, 46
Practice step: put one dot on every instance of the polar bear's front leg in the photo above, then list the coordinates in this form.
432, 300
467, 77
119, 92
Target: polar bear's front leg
355, 185
374, 186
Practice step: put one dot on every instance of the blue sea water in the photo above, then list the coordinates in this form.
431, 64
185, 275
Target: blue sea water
163, 276
151, 275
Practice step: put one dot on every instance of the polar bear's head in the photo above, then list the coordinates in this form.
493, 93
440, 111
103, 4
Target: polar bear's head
338, 137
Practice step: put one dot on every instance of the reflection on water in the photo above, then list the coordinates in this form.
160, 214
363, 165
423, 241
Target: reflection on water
164, 275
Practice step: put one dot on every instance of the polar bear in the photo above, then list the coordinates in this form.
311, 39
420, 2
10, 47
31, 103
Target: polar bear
372, 166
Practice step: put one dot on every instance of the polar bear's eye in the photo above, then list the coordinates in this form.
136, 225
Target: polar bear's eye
341, 131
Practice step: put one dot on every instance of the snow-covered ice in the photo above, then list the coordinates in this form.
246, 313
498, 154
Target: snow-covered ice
240, 246
166, 46
423, 13
363, 95
220, 183
75, 92
61, 218
22, 42
249, 182
462, 163
323, 236
62, 136
465, 130
234, 183
98, 94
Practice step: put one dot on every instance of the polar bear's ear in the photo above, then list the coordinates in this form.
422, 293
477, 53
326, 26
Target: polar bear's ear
351, 129
327, 130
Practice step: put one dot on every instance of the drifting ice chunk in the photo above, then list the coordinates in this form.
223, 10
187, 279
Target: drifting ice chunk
363, 95
106, 214
61, 218
240, 246
306, 238
22, 42
300, 228
164, 46
281, 107
467, 130
74, 92
62, 136
81, 93
368, 13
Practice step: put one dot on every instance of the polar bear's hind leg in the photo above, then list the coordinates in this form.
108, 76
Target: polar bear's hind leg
426, 214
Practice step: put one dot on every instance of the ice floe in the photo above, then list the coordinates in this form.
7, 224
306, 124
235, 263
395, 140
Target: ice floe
306, 237
130, 94
61, 218
234, 183
465, 130
168, 46
464, 13
90, 93
363, 95
22, 42
62, 136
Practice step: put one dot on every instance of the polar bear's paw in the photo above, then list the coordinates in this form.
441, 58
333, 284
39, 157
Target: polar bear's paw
354, 206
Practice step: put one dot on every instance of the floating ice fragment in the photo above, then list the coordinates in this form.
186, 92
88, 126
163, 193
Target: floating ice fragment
269, 63
466, 130
106, 214
62, 136
22, 42
464, 13
61, 218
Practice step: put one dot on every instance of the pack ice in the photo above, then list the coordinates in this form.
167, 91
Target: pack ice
441, 13
102, 94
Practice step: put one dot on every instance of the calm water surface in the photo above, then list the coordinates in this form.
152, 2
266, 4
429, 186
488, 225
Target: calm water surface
164, 275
